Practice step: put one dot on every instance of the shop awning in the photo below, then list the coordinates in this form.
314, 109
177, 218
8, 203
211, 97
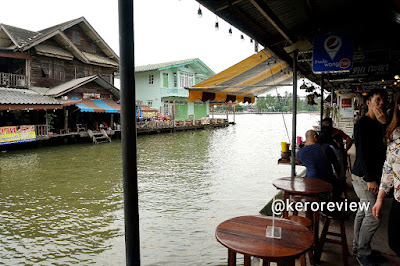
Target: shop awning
98, 106
244, 81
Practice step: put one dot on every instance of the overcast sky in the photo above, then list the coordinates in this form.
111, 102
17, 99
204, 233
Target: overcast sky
165, 30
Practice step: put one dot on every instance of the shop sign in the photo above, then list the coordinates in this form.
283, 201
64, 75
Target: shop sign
333, 53
17, 134
138, 111
91, 95
346, 103
368, 65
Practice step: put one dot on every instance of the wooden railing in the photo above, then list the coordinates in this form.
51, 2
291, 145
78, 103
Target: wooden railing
41, 130
13, 80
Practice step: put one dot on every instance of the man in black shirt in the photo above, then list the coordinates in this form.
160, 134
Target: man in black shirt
369, 132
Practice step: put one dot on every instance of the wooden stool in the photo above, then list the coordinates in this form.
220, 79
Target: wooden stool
340, 217
304, 221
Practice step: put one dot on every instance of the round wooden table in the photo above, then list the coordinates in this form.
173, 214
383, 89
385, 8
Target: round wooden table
305, 186
246, 235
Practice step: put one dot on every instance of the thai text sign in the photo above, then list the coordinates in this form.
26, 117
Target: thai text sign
91, 95
346, 103
17, 134
333, 53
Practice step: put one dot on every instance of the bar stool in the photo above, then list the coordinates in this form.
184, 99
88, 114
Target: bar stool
306, 222
341, 217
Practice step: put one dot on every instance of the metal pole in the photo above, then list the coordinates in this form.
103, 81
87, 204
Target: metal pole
322, 101
128, 132
294, 117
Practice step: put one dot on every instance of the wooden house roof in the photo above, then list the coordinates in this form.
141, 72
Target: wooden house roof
26, 39
76, 83
20, 37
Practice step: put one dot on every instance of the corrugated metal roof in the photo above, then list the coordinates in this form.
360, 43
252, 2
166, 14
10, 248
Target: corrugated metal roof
163, 65
76, 83
53, 50
23, 96
60, 89
99, 59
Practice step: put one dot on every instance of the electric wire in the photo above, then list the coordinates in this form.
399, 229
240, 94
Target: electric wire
277, 94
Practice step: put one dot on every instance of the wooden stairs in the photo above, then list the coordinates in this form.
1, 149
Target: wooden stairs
99, 137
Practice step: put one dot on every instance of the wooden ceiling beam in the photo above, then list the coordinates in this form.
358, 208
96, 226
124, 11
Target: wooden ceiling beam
228, 4
263, 8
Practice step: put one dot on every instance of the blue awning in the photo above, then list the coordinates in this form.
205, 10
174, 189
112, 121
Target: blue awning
84, 108
98, 106
103, 105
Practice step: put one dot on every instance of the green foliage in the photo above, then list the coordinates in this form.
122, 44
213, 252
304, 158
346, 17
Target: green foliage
283, 104
49, 120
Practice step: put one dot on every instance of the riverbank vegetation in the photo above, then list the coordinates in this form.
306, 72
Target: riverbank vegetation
280, 103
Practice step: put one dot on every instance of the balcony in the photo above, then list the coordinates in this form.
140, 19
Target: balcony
13, 80
174, 92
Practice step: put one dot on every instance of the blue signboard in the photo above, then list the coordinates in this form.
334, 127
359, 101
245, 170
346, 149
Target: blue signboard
333, 53
138, 111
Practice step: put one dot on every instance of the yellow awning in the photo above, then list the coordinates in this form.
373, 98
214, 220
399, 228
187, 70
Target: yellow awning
242, 82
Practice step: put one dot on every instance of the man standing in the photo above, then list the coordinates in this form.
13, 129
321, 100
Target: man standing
369, 132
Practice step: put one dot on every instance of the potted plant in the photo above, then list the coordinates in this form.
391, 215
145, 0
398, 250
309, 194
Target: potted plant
50, 122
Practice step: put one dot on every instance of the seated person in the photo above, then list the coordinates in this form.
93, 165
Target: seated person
327, 121
318, 159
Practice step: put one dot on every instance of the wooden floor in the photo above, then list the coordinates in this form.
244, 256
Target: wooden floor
332, 254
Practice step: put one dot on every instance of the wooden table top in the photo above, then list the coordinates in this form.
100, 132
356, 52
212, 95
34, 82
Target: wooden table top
246, 235
302, 185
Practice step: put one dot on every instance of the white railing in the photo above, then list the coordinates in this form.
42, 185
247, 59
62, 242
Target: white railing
12, 80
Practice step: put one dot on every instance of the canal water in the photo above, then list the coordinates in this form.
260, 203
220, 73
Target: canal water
64, 204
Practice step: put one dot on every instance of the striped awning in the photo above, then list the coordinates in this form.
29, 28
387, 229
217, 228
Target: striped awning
244, 81
98, 106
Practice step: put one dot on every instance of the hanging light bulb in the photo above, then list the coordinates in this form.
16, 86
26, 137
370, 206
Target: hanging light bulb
230, 31
216, 23
242, 37
397, 77
199, 13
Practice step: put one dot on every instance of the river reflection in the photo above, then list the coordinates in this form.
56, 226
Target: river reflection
64, 205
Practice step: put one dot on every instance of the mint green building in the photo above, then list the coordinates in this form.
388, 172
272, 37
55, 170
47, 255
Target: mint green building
162, 86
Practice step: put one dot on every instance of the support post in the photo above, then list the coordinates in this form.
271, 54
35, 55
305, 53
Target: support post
112, 121
322, 101
294, 117
128, 132
65, 119
234, 113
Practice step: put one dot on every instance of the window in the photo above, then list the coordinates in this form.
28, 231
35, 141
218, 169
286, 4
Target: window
175, 80
150, 103
76, 37
186, 80
165, 80
139, 102
151, 79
